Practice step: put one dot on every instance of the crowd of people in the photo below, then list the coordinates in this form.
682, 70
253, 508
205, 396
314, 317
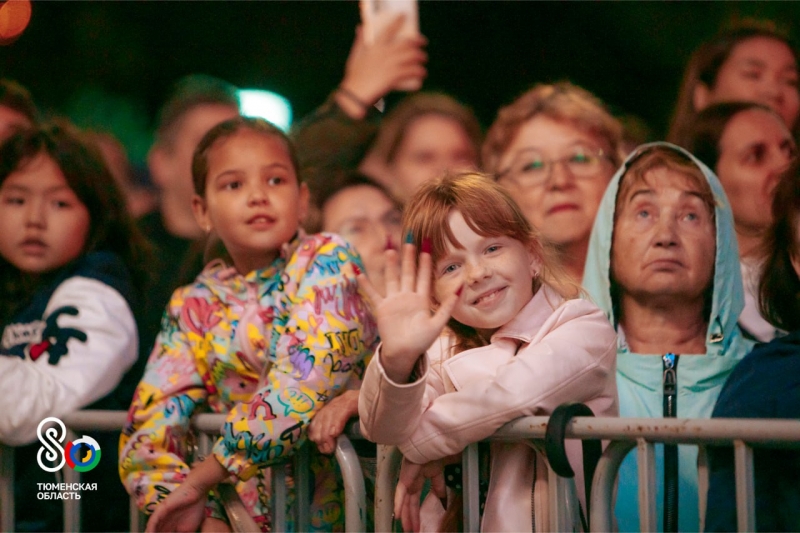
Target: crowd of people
408, 270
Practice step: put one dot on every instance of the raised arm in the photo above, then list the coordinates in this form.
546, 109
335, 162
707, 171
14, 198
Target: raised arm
575, 362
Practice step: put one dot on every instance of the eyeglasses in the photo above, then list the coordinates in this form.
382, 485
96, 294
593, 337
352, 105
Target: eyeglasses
531, 168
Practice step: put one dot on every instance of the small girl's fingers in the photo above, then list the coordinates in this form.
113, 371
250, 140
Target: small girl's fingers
442, 315
392, 274
399, 500
424, 274
408, 270
366, 285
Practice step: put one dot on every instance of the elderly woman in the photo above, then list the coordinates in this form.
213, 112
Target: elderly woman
663, 265
555, 149
748, 146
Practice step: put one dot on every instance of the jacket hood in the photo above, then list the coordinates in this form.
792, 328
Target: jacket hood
728, 296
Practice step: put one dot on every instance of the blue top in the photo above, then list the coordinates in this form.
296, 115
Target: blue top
699, 377
766, 384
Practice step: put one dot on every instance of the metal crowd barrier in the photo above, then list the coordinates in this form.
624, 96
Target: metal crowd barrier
206, 425
622, 434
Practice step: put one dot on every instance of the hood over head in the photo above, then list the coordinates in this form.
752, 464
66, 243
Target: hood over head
728, 295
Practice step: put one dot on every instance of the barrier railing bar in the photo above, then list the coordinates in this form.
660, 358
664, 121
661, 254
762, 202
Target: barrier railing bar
7, 488
745, 493
560, 513
355, 495
702, 485
717, 432
471, 487
302, 486
72, 508
647, 485
388, 466
603, 484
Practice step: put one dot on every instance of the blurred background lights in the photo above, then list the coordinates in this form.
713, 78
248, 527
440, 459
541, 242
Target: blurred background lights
266, 104
14, 18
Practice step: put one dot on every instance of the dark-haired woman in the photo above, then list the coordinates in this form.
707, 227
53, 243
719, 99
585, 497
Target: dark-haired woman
766, 384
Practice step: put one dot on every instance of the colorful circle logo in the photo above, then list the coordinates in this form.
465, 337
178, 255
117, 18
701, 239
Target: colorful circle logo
82, 454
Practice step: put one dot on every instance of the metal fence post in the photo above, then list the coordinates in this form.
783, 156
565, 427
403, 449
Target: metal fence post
355, 495
302, 487
745, 493
471, 484
646, 464
388, 466
72, 508
7, 488
602, 511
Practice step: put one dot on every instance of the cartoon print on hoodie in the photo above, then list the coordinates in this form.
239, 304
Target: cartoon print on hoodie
699, 377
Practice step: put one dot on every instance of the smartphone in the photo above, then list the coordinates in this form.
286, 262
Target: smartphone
377, 14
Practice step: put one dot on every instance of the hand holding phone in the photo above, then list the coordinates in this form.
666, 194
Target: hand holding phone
379, 18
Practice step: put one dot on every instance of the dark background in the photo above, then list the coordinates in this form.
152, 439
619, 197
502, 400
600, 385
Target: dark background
110, 64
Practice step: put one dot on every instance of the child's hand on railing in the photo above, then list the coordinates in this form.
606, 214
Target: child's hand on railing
405, 323
409, 489
185, 508
329, 421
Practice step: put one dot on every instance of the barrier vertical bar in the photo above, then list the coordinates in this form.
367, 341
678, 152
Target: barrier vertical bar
471, 484
7, 488
302, 487
557, 497
745, 493
355, 495
278, 481
72, 507
137, 518
702, 485
603, 485
646, 464
388, 465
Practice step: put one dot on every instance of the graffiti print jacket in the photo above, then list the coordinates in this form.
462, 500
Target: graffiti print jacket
269, 349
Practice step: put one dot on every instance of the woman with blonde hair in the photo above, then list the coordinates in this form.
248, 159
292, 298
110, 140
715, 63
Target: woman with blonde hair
555, 149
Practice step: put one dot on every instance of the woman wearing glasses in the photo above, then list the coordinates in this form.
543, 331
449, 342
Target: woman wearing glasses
555, 149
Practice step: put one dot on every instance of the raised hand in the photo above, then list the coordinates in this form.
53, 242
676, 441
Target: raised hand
373, 70
406, 324
409, 489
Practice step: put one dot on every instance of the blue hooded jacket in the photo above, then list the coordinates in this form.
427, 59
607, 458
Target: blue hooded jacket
699, 377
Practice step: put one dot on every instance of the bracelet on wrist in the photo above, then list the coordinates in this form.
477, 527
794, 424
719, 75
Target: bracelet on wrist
350, 95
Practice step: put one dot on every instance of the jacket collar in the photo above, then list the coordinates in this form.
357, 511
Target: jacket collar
531, 317
232, 287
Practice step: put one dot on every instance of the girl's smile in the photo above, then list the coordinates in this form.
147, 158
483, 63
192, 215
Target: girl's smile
496, 273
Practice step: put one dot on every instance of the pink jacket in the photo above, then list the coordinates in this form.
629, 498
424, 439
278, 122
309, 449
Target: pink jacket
554, 351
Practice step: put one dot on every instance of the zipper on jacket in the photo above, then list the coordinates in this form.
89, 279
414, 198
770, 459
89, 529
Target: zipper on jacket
669, 363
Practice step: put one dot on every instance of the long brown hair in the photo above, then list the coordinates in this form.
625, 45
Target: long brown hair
707, 60
779, 288
488, 210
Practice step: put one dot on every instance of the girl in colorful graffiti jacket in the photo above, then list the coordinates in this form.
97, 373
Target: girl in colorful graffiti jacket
281, 305
518, 343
